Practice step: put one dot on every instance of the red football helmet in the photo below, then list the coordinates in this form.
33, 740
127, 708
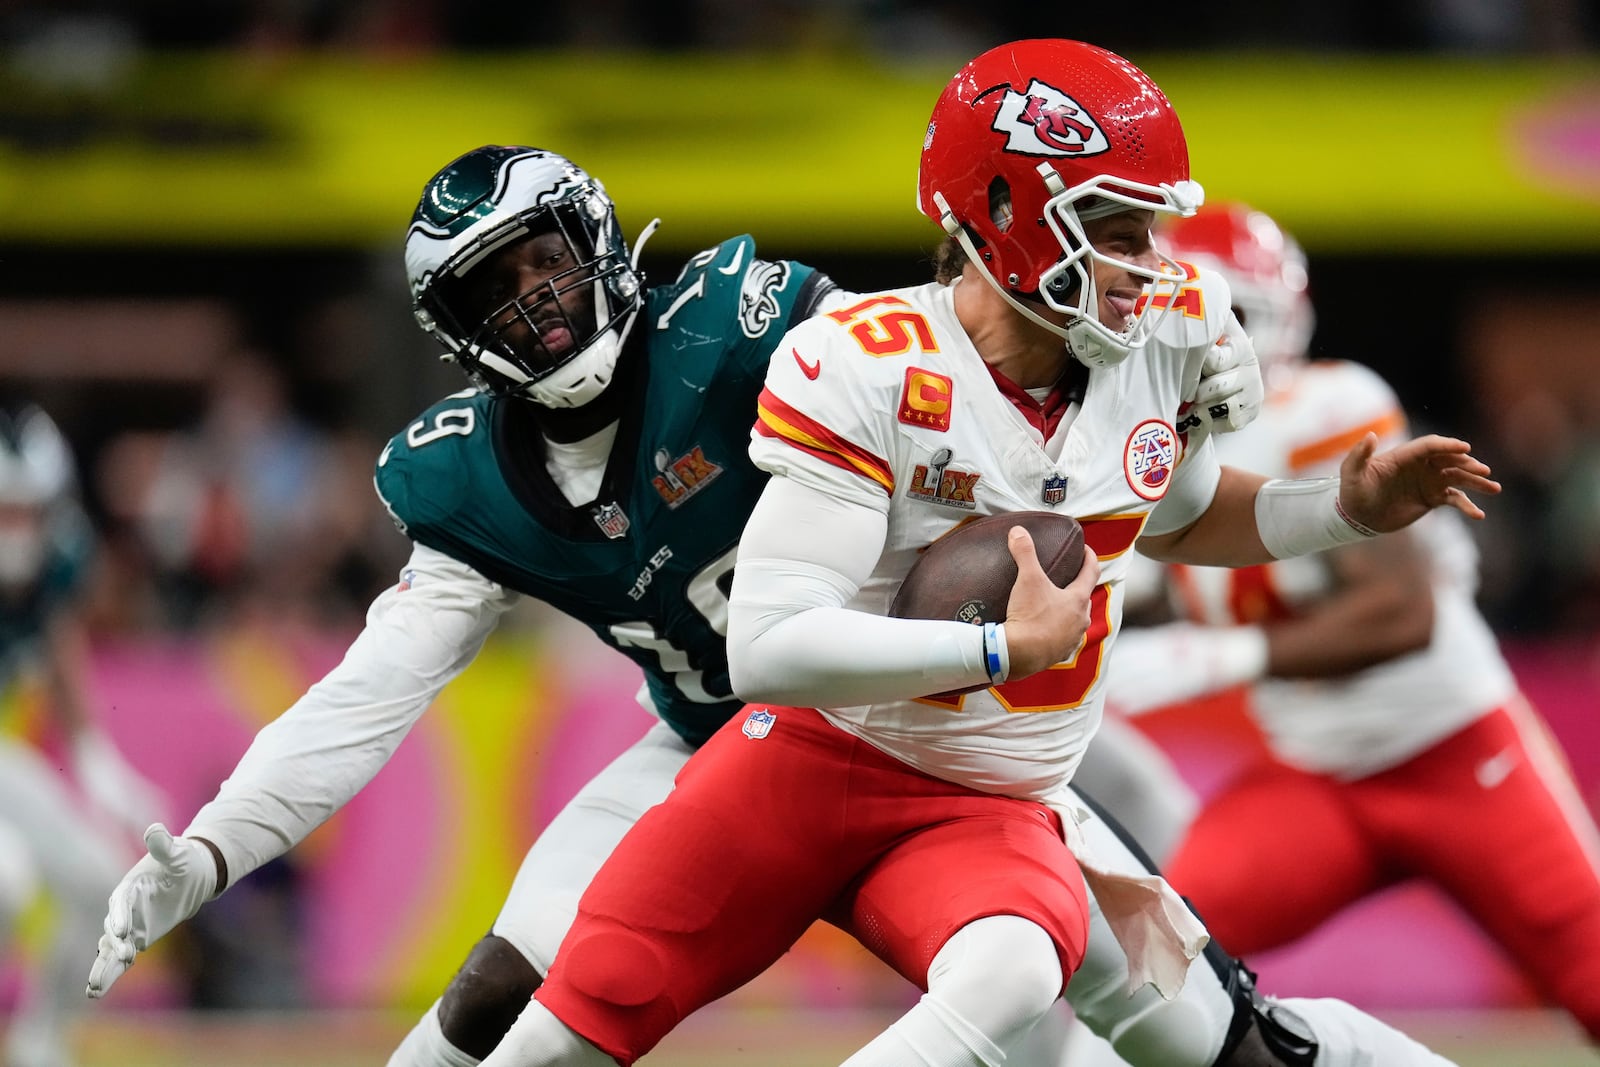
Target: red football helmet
1264, 267
1026, 142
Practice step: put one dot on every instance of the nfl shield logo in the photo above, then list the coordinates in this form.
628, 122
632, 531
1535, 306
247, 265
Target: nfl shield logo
759, 724
1055, 489
612, 522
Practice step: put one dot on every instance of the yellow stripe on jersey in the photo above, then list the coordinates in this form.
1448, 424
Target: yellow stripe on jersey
776, 419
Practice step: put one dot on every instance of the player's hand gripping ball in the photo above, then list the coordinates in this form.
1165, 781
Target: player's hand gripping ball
967, 574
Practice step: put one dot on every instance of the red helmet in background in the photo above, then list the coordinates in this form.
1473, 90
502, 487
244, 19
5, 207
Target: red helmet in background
1030, 140
1266, 270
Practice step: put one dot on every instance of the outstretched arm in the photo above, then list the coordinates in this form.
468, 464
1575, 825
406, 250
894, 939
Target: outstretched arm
309, 762
1254, 520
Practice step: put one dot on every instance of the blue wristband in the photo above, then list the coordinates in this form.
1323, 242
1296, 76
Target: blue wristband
991, 652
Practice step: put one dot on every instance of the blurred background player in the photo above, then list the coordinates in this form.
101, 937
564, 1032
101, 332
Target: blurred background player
1397, 743
65, 838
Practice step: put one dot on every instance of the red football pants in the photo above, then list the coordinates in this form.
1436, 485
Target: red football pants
1489, 815
762, 836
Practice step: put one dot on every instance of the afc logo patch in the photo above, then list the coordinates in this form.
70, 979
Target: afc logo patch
1149, 457
759, 723
926, 399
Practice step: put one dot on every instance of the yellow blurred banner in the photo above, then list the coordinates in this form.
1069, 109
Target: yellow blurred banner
807, 153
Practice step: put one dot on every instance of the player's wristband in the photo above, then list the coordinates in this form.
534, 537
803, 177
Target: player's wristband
1296, 517
996, 660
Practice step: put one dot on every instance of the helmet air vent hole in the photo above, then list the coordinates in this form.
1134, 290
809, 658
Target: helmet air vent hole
1000, 204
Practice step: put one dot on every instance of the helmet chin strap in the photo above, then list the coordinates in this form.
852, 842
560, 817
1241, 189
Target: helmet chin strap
1086, 344
954, 228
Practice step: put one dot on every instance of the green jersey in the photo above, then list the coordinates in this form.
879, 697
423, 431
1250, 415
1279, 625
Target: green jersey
25, 611
647, 565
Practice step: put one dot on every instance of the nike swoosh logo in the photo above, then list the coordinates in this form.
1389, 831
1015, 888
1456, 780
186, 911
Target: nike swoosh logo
1494, 770
810, 370
738, 259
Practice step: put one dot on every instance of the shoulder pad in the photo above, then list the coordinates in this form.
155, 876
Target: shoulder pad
420, 474
1332, 405
728, 259
1198, 311
1358, 393
861, 350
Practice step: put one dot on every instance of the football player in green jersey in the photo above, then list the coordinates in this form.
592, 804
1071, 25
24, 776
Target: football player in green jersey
599, 464
50, 841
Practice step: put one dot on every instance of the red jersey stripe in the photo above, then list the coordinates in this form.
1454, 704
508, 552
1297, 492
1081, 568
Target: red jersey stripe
776, 419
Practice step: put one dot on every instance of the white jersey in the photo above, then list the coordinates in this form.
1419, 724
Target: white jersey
1376, 718
887, 403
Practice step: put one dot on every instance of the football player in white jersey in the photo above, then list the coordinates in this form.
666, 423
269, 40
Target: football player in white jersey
1397, 742
1054, 373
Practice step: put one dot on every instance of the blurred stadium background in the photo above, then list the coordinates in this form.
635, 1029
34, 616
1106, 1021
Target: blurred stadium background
201, 210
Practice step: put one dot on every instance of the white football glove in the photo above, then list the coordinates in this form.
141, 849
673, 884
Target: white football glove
162, 890
116, 792
1231, 390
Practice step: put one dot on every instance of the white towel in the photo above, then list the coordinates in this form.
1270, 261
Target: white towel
1157, 931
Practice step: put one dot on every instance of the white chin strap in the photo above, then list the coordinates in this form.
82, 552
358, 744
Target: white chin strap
1091, 347
578, 382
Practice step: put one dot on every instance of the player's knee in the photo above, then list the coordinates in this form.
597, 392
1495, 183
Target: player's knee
999, 960
617, 989
1030, 980
486, 996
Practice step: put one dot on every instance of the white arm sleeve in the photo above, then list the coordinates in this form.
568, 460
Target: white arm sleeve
791, 640
308, 763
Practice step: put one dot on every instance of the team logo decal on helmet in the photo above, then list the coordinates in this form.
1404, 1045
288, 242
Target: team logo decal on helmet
1045, 121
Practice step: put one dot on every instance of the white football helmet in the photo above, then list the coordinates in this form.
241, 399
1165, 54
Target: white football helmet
36, 474
486, 201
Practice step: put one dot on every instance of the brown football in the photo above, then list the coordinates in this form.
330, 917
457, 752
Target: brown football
967, 574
